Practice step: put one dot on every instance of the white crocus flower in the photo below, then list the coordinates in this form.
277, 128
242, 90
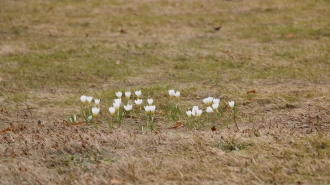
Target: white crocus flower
119, 94
189, 113
83, 99
138, 94
128, 107
194, 110
208, 101
89, 99
127, 95
199, 113
95, 111
112, 111
171, 93
138, 101
150, 101
231, 104
147, 109
116, 105
209, 109
216, 101
177, 94
152, 109
215, 106
118, 101
97, 102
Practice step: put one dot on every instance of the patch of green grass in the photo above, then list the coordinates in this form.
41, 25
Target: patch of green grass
18, 97
232, 144
318, 145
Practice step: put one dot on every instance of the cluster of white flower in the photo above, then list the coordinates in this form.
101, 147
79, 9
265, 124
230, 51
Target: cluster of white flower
138, 100
212, 104
118, 102
84, 98
172, 93
89, 99
150, 109
195, 111
212, 107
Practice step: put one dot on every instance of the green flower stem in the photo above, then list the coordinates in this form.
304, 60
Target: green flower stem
150, 121
84, 110
189, 122
95, 122
234, 117
111, 122
147, 120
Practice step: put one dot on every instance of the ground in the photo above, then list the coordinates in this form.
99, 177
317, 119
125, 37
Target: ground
271, 57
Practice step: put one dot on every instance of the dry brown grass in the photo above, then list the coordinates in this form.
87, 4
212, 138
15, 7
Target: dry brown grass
278, 143
271, 57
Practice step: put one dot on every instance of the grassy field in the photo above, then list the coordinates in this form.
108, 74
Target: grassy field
272, 57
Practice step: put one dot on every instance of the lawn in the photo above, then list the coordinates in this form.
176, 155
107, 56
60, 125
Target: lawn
271, 57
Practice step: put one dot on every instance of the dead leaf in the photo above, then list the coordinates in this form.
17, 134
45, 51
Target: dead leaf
177, 125
6, 130
118, 62
251, 91
116, 181
122, 31
217, 28
225, 51
214, 129
77, 124
160, 112
288, 36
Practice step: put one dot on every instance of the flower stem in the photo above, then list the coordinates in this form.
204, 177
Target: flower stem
234, 117
111, 123
95, 122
